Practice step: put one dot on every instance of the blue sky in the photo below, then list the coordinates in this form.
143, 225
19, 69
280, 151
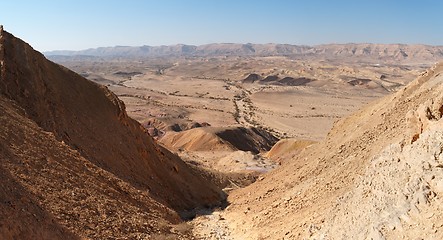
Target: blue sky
80, 24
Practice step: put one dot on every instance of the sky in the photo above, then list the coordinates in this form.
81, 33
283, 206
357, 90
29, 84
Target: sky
82, 24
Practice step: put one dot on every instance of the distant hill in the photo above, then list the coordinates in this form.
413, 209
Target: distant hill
363, 50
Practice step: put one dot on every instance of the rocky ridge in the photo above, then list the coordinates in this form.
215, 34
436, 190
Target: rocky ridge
356, 51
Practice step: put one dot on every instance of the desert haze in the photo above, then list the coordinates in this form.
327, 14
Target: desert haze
221, 141
386, 52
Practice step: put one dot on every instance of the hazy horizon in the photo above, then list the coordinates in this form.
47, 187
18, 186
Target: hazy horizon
81, 25
177, 44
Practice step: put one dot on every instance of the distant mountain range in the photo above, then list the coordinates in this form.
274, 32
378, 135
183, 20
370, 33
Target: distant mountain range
374, 51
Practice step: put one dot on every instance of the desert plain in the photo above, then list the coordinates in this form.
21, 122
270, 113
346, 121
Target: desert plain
194, 105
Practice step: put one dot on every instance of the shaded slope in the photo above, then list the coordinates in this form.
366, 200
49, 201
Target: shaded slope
376, 175
49, 191
248, 139
275, 80
91, 119
251, 78
22, 224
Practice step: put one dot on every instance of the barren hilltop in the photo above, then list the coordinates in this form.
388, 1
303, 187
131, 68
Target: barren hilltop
227, 147
398, 52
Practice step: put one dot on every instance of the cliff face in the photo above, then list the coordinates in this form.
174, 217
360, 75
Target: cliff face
90, 123
376, 175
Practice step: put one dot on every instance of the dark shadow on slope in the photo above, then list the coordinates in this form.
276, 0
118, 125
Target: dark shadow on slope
290, 81
21, 216
248, 139
251, 78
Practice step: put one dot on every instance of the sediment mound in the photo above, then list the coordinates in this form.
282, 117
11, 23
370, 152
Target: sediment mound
127, 74
359, 82
290, 81
376, 175
248, 139
269, 79
275, 80
287, 149
220, 139
77, 162
251, 78
198, 139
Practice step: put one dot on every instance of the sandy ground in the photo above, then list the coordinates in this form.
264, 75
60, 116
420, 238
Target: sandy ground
211, 90
168, 92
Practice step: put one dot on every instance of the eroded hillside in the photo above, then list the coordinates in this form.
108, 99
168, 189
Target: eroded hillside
376, 175
75, 165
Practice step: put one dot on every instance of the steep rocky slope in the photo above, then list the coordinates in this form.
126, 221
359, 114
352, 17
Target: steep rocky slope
77, 162
376, 175
49, 191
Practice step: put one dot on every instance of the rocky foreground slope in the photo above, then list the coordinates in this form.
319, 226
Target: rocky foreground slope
74, 165
377, 175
